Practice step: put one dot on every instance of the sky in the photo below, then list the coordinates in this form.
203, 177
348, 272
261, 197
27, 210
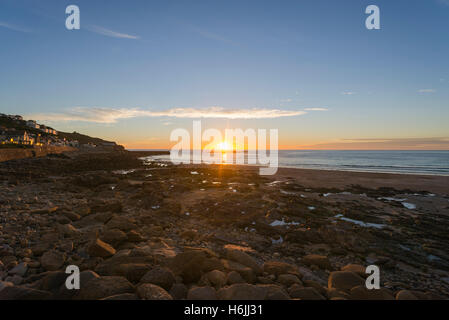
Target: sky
136, 70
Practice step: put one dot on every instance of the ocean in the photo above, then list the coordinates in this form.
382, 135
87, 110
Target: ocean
406, 162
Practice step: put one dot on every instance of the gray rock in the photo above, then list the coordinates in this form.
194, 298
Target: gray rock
148, 291
202, 293
20, 270
162, 277
52, 260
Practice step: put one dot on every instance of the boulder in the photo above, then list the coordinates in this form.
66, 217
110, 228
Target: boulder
405, 295
52, 260
121, 223
20, 270
99, 288
314, 284
100, 249
23, 293
337, 294
246, 272
148, 291
234, 277
162, 277
277, 268
320, 261
356, 268
362, 293
202, 293
344, 280
214, 278
114, 236
178, 291
131, 271
305, 293
194, 262
288, 279
242, 291
134, 236
122, 296
244, 259
274, 292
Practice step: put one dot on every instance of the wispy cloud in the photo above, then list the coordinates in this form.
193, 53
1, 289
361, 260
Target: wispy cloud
316, 109
110, 115
110, 33
348, 93
427, 91
14, 27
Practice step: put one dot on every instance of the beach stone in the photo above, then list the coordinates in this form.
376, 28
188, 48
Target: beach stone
122, 296
193, 262
68, 230
121, 223
100, 249
131, 271
344, 280
178, 291
53, 280
246, 272
362, 293
134, 236
288, 279
72, 215
335, 293
277, 268
313, 259
162, 277
405, 295
15, 279
274, 292
20, 270
242, 291
114, 236
305, 293
356, 268
148, 291
244, 259
114, 206
234, 277
216, 278
52, 260
102, 287
87, 275
314, 284
202, 293
189, 234
4, 284
23, 293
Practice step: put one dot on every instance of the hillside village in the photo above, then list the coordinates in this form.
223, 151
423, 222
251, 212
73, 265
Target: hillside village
15, 132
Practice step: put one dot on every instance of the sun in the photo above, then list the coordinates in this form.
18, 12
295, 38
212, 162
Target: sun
223, 146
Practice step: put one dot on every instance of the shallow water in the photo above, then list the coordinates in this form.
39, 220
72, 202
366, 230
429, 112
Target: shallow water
409, 162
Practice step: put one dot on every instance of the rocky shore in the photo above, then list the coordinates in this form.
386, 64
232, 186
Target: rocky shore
150, 230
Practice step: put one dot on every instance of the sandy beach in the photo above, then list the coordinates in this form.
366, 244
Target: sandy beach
157, 231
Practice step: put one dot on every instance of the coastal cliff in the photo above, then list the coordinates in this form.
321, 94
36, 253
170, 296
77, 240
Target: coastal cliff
7, 154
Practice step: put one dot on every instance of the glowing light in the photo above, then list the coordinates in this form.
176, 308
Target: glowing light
223, 146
